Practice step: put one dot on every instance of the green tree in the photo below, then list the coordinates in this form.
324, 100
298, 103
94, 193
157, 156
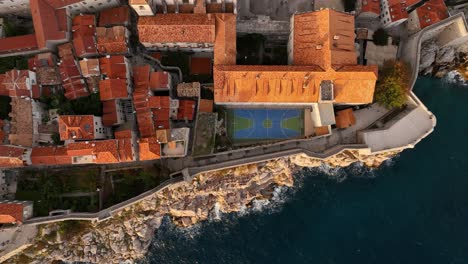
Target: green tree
393, 84
56, 139
380, 37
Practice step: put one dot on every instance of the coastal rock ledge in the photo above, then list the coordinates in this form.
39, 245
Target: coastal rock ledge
127, 236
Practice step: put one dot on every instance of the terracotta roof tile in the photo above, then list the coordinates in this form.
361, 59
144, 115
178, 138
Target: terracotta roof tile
431, 12
149, 149
170, 28
106, 151
18, 43
11, 156
225, 41
43, 156
84, 29
76, 127
16, 82
110, 89
118, 16
186, 110
323, 38
21, 130
48, 23
121, 134
89, 67
292, 84
126, 150
113, 67
159, 80
109, 109
112, 40
65, 51
345, 118
11, 212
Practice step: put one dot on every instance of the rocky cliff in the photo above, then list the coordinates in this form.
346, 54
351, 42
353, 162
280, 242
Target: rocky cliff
444, 61
127, 236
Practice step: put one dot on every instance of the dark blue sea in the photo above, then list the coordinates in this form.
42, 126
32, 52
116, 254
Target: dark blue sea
414, 209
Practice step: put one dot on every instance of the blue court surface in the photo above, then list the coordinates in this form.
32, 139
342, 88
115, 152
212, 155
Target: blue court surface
248, 124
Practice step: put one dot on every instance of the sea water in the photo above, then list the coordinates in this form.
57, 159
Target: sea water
413, 209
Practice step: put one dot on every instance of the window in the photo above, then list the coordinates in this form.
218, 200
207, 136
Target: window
185, 1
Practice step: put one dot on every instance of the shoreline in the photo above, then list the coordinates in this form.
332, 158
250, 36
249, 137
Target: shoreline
127, 234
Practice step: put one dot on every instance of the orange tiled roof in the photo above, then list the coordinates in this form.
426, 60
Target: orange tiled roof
323, 38
149, 149
110, 89
170, 28
371, 6
125, 150
15, 81
114, 16
432, 12
113, 67
111, 40
76, 127
43, 156
345, 118
292, 84
106, 151
11, 156
11, 212
89, 67
225, 41
121, 134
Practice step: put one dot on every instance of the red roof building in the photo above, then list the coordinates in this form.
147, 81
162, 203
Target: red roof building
160, 80
150, 149
112, 113
81, 127
118, 16
25, 43
11, 156
431, 12
19, 82
394, 11
84, 29
114, 67
101, 151
186, 110
15, 212
50, 156
111, 89
112, 40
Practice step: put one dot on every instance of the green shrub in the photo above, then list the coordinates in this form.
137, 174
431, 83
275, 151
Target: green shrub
393, 84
